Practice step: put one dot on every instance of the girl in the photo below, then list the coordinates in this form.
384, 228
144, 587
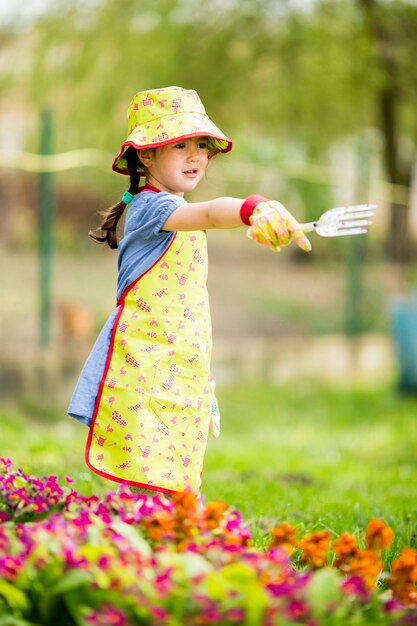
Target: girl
145, 390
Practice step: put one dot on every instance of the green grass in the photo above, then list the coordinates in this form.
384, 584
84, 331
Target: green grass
314, 457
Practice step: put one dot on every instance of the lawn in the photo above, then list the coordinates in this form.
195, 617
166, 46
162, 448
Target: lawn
318, 458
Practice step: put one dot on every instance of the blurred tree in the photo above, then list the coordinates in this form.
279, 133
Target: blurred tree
272, 74
392, 29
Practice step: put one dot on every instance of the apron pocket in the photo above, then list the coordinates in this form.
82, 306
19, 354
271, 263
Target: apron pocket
178, 394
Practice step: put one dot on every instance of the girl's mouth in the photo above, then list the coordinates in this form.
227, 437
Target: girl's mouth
191, 172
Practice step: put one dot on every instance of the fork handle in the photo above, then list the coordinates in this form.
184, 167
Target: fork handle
308, 227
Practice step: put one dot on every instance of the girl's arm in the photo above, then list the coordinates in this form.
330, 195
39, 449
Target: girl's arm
217, 213
271, 224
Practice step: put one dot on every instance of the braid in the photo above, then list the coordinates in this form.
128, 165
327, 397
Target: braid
114, 213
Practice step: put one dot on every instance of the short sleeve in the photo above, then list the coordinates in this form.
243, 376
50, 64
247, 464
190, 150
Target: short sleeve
148, 214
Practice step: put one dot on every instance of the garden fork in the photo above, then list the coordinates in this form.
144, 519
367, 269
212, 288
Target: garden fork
349, 220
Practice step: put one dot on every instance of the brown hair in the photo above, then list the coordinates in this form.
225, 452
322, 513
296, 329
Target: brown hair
114, 213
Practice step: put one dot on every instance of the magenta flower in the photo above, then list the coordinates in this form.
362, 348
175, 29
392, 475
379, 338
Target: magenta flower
82, 520
187, 569
107, 616
10, 567
355, 586
39, 504
7, 463
296, 609
159, 614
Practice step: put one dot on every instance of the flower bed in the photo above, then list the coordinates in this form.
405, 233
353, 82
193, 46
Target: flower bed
66, 559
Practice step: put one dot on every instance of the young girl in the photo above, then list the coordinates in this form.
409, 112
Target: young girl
145, 390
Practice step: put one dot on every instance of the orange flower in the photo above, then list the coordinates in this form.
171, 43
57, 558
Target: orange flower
378, 535
345, 547
185, 502
159, 527
314, 548
185, 516
213, 514
403, 576
367, 565
283, 536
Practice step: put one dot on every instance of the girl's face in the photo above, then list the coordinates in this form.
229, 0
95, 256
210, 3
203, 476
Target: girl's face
177, 167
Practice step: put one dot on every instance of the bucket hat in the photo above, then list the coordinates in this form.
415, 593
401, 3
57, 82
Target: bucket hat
162, 116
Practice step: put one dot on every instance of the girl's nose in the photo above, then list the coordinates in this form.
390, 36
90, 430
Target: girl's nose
192, 151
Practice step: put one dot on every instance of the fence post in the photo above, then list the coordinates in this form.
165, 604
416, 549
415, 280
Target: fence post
46, 211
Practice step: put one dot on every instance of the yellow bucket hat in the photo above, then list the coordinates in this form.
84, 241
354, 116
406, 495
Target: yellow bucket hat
162, 116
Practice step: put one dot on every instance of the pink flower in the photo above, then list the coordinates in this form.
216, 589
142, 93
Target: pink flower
355, 586
40, 504
158, 613
10, 567
107, 616
296, 609
235, 616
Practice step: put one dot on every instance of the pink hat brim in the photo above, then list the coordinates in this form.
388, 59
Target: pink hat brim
139, 140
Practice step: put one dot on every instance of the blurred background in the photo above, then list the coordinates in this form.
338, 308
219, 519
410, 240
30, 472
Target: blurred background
319, 98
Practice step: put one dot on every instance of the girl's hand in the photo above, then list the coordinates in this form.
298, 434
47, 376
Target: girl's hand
272, 225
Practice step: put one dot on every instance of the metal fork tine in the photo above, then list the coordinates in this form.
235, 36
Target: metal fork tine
352, 214
342, 221
348, 231
353, 223
352, 211
360, 207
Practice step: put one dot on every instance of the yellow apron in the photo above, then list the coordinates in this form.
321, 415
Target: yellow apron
152, 413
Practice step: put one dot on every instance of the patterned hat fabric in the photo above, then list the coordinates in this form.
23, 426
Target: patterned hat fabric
162, 116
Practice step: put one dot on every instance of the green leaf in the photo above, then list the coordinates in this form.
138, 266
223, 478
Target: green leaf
191, 564
73, 580
14, 597
132, 535
9, 620
324, 591
239, 578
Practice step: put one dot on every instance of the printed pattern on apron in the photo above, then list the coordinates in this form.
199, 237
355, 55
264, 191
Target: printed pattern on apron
152, 413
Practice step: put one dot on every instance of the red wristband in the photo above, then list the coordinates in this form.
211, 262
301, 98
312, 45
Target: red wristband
249, 206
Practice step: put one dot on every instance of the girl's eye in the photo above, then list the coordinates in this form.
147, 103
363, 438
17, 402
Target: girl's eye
203, 145
180, 146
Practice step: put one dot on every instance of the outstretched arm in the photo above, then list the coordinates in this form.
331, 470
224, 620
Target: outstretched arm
217, 213
271, 224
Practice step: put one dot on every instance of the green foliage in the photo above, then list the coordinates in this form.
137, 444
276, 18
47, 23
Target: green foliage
126, 559
313, 456
302, 75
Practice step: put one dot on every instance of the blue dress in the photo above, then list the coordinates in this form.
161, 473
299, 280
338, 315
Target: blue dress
142, 244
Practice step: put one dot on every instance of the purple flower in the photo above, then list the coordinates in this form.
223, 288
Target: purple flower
158, 613
235, 616
10, 567
296, 609
355, 586
39, 504
392, 606
16, 496
107, 616
72, 560
82, 520
7, 463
